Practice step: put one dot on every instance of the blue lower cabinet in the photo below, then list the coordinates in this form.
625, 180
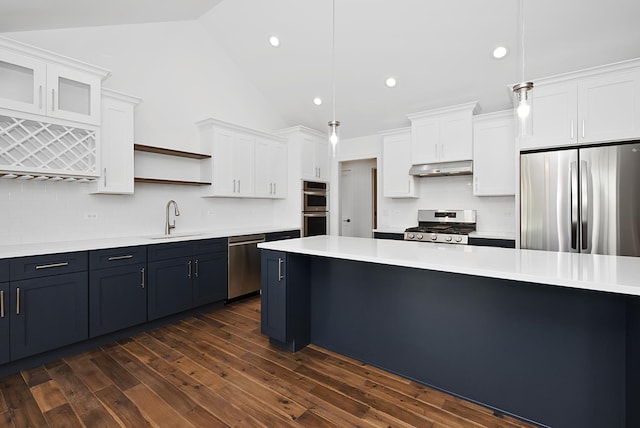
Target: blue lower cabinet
285, 299
4, 322
210, 277
170, 287
48, 313
117, 289
183, 275
117, 298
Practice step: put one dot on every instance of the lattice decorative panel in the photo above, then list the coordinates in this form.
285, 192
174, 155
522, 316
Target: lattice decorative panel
46, 149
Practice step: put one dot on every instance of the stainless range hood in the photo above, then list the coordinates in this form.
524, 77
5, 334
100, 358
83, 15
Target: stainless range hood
440, 169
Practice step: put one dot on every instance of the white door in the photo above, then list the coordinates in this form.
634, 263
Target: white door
346, 203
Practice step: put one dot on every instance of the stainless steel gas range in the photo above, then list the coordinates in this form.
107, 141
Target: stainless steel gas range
443, 226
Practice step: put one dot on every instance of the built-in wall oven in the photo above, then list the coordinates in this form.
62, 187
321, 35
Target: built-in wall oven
315, 213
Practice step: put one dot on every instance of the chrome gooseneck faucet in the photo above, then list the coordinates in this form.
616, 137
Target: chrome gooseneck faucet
169, 226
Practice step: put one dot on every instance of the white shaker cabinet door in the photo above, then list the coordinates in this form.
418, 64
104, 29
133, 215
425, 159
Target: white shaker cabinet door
494, 159
396, 161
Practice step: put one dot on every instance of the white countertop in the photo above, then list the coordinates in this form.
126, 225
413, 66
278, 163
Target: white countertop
584, 271
492, 235
34, 249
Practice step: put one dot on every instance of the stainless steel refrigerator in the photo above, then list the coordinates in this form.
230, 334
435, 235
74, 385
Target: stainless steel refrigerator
581, 200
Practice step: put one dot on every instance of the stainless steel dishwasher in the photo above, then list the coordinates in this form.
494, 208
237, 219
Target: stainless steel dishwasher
244, 265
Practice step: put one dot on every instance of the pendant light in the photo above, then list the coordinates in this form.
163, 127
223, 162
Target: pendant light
333, 124
523, 91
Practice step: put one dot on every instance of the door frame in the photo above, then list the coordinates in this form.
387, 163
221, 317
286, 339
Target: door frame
334, 195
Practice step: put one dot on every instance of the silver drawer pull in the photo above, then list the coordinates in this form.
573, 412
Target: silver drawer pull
111, 259
53, 265
2, 304
280, 276
18, 301
142, 272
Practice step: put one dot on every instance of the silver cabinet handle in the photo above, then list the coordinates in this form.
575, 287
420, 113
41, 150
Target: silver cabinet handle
275, 188
105, 177
2, 304
18, 301
239, 186
52, 265
572, 129
582, 128
40, 97
280, 276
196, 272
53, 100
142, 273
234, 186
114, 258
189, 264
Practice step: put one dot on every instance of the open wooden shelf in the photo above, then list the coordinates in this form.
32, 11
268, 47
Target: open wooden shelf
166, 181
169, 152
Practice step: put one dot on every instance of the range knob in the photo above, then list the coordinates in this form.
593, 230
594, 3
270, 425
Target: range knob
434, 237
411, 236
448, 238
458, 238
419, 236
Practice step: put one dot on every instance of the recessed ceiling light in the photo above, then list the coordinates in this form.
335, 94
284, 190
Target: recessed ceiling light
500, 52
274, 41
317, 101
390, 82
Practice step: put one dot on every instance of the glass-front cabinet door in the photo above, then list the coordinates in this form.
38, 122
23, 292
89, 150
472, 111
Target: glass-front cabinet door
73, 95
22, 83
32, 86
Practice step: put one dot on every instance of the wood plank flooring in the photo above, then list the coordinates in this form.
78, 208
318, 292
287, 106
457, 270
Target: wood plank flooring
217, 370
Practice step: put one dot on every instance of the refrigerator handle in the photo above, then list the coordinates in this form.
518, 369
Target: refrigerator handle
573, 170
584, 209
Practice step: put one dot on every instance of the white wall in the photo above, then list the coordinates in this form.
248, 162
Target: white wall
183, 76
494, 213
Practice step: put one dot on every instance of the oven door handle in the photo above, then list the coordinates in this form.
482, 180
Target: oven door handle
319, 214
315, 192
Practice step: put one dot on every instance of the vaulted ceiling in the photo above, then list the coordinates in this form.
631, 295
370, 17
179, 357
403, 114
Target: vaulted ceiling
439, 51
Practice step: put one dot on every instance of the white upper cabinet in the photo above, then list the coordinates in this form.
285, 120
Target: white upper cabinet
116, 143
315, 157
442, 135
396, 161
595, 105
244, 163
39, 82
494, 158
271, 168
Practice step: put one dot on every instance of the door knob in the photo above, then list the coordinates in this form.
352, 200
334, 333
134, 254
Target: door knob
348, 220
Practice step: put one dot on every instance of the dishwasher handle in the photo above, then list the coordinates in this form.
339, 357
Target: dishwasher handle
234, 241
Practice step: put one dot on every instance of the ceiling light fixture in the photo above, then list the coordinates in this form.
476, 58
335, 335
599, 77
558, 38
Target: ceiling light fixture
317, 101
500, 52
390, 82
274, 41
523, 90
333, 124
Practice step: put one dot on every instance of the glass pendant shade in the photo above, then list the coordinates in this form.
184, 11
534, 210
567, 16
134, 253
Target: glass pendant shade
333, 138
522, 104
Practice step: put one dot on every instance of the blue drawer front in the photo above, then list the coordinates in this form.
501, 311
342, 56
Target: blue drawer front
51, 264
113, 257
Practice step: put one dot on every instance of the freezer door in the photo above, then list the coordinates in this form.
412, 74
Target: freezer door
610, 200
549, 201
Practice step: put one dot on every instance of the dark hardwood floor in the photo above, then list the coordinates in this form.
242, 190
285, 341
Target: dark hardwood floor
218, 370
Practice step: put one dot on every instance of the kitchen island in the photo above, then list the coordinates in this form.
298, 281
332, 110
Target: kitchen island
552, 338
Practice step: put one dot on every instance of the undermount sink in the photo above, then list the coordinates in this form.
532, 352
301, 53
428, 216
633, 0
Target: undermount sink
174, 236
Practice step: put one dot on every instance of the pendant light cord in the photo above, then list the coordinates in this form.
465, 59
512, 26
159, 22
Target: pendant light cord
333, 59
521, 16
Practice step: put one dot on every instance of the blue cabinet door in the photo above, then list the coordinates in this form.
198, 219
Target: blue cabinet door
210, 278
48, 312
170, 287
4, 322
274, 295
117, 298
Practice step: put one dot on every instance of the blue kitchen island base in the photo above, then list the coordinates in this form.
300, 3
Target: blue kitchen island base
554, 356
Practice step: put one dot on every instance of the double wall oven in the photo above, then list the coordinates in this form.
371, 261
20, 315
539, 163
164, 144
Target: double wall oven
315, 212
